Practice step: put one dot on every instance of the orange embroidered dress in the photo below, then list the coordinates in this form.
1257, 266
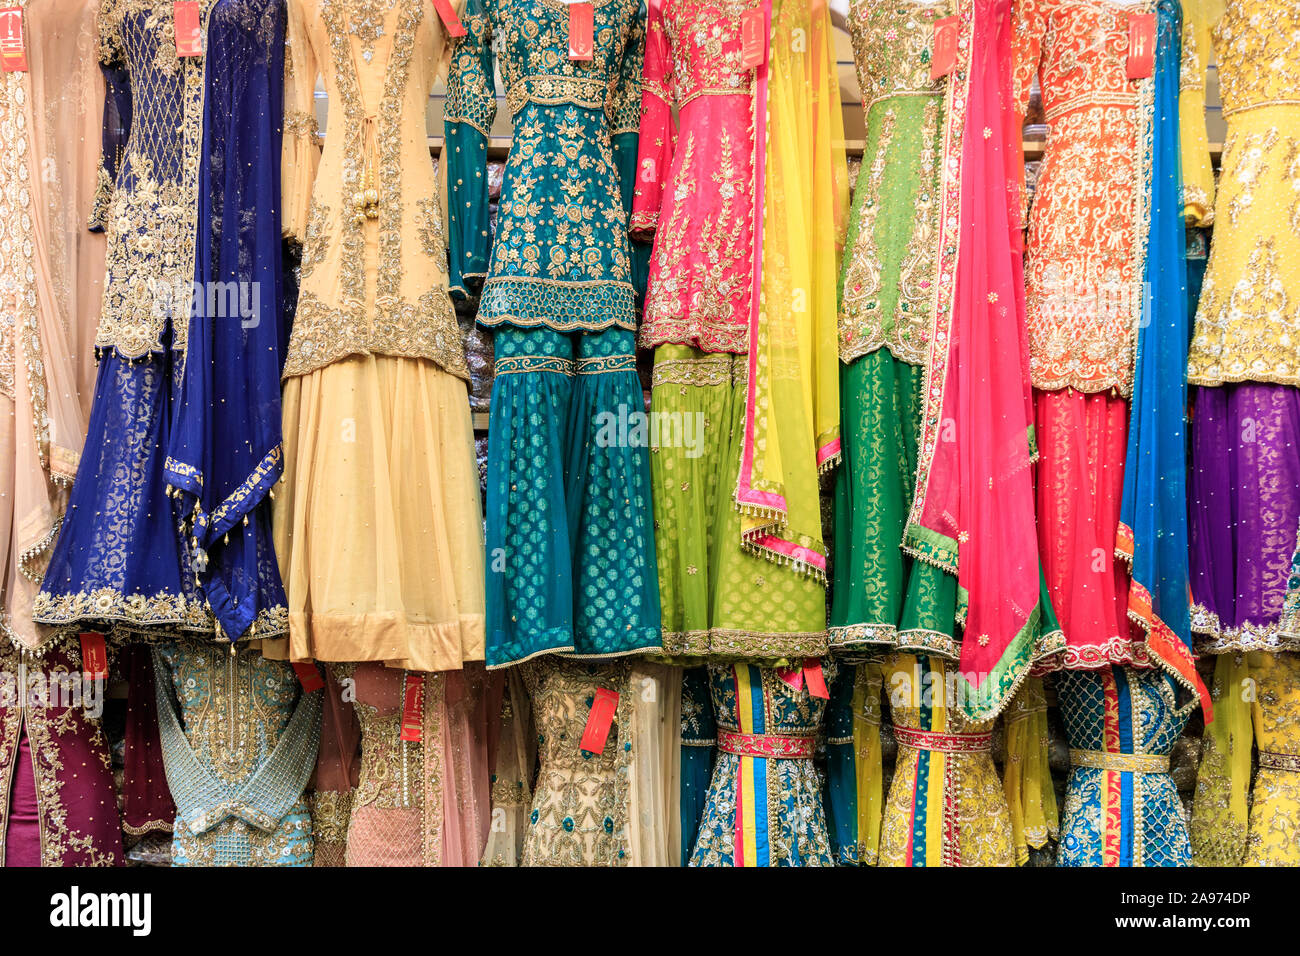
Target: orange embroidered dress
1083, 300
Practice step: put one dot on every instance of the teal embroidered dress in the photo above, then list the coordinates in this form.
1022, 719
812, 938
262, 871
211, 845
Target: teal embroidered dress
570, 540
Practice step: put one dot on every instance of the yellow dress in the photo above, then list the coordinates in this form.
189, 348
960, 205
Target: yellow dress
946, 804
1237, 820
378, 524
1248, 321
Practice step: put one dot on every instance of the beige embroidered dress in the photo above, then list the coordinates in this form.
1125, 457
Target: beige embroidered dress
53, 271
379, 528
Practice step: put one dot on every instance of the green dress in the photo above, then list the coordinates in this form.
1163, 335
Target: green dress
882, 597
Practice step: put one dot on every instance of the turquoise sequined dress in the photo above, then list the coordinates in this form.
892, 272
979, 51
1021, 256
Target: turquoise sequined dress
570, 538
1121, 805
239, 743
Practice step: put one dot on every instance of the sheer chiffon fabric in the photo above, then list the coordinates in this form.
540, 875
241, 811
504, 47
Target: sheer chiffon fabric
1245, 508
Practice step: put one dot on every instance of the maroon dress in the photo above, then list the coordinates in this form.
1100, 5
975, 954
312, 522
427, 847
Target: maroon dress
57, 804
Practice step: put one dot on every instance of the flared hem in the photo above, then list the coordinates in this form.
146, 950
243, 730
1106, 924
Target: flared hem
1209, 636
720, 643
387, 637
569, 650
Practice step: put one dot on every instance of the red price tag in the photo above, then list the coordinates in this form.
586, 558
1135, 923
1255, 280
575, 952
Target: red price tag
816, 679
413, 709
753, 38
943, 53
581, 30
1141, 45
308, 676
13, 49
450, 22
189, 34
599, 721
94, 656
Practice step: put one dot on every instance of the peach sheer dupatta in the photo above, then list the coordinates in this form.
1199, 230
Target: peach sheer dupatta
60, 284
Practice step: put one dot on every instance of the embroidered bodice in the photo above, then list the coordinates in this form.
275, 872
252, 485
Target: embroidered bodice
580, 803
1087, 227
233, 706
1248, 317
150, 195
695, 178
560, 257
1257, 46
239, 743
887, 284
370, 219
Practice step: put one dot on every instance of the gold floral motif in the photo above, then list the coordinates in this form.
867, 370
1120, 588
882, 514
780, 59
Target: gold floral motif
300, 123
428, 226
1087, 227
701, 263
1247, 332
1257, 45
861, 325
62, 843
378, 319
1250, 154
151, 223
580, 804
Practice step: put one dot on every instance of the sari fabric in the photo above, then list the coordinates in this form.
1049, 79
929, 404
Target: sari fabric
119, 561
56, 775
972, 514
225, 451
1153, 510
792, 403
52, 269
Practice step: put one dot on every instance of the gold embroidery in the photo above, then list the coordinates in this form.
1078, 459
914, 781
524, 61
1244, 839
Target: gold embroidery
152, 220
428, 224
381, 320
861, 326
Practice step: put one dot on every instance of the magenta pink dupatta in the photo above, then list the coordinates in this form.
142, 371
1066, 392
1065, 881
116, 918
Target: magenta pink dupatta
973, 513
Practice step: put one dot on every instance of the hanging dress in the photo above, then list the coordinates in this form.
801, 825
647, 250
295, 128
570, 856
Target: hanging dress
119, 562
764, 805
946, 804
378, 527
611, 805
225, 451
383, 798
695, 194
1121, 806
1244, 373
58, 805
569, 522
239, 742
881, 596
1086, 249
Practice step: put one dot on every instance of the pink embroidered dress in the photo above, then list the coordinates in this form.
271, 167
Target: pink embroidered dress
695, 193
695, 178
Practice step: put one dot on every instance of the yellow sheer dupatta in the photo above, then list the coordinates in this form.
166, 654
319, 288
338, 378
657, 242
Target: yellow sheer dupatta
792, 401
